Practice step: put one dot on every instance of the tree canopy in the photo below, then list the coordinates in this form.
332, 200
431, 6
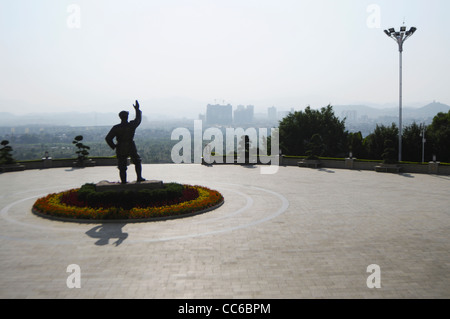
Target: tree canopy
298, 128
6, 153
374, 143
301, 131
439, 136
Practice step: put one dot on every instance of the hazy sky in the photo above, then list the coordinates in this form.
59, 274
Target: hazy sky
177, 56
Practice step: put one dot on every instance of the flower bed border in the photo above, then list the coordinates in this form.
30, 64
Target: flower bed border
169, 216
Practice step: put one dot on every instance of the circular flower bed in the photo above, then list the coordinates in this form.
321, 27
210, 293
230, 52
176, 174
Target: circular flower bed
68, 206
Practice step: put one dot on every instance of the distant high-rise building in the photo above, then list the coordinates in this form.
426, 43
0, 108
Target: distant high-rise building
272, 114
244, 115
219, 114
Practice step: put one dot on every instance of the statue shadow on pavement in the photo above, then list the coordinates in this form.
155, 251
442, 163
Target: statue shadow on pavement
107, 231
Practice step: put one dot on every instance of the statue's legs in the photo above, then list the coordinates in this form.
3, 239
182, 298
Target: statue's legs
136, 159
122, 157
122, 165
123, 176
138, 167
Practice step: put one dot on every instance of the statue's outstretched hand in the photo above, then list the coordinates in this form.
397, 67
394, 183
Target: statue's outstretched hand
136, 106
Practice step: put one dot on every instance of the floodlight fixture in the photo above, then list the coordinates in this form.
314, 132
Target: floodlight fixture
400, 37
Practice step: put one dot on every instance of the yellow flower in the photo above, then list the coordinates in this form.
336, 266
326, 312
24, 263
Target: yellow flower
52, 205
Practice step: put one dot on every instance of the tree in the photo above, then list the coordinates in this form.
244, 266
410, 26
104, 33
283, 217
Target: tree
389, 154
355, 144
82, 152
244, 147
315, 147
374, 143
439, 136
412, 143
6, 157
297, 129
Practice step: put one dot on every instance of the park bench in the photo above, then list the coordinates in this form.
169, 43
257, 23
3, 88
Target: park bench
309, 163
388, 168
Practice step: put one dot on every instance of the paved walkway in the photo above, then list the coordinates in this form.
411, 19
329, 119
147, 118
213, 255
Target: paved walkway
299, 233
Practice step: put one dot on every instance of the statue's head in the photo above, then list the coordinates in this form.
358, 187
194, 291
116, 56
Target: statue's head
123, 116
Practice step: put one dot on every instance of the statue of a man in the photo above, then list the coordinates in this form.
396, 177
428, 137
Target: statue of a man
125, 146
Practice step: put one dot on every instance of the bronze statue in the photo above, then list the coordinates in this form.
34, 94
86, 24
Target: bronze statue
125, 146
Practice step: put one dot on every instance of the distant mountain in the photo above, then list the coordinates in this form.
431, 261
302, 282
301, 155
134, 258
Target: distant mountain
426, 112
429, 110
68, 119
361, 110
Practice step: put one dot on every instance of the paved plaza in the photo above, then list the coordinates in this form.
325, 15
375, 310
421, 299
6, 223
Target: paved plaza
299, 233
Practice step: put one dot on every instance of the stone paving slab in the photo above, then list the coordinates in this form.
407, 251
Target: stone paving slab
299, 233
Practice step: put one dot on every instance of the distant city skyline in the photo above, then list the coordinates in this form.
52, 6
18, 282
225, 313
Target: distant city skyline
270, 116
176, 57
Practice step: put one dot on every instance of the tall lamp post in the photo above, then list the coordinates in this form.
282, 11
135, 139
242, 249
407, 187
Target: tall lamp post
400, 37
422, 135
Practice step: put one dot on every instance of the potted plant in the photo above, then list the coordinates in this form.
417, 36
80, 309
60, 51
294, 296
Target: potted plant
315, 149
7, 162
390, 162
389, 154
82, 153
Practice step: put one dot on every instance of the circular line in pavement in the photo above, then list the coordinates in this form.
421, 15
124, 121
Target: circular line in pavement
248, 204
4, 213
282, 209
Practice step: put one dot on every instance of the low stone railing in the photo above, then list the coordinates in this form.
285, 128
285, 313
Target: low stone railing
353, 163
55, 163
347, 163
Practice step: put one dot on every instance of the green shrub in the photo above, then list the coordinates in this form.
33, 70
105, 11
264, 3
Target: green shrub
128, 199
82, 152
389, 153
6, 153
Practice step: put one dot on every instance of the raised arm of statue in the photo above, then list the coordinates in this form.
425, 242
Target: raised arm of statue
138, 117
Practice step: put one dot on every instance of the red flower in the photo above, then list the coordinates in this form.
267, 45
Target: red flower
66, 204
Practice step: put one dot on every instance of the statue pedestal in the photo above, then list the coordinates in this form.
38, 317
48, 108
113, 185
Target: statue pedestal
105, 186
